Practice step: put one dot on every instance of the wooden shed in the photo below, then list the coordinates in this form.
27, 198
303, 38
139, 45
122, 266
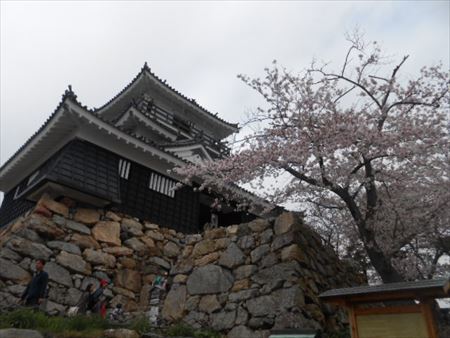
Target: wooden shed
394, 310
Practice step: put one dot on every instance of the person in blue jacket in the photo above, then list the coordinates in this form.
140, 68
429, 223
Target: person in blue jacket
35, 292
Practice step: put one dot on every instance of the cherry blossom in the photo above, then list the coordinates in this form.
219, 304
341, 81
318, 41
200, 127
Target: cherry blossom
365, 148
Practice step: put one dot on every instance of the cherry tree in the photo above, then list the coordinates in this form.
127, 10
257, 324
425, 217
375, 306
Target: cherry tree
365, 148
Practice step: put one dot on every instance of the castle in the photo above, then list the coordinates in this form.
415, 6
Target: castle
118, 156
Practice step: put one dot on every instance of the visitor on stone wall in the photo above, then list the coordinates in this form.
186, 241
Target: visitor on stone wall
117, 314
35, 291
85, 303
160, 282
97, 300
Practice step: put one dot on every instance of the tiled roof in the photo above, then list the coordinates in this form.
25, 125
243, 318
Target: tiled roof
70, 95
138, 137
67, 94
146, 68
383, 288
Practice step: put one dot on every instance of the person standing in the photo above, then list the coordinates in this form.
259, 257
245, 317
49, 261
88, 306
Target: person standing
97, 300
34, 293
85, 300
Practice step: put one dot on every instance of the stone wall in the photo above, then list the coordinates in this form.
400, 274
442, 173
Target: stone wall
242, 280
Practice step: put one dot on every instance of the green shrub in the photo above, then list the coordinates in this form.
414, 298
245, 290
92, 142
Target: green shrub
184, 330
32, 319
206, 333
23, 319
181, 330
82, 322
140, 324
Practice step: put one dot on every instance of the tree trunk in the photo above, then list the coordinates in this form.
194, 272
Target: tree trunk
382, 265
380, 262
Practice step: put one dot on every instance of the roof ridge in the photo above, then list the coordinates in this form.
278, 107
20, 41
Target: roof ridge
145, 68
67, 95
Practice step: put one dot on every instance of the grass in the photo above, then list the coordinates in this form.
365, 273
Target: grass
183, 330
82, 326
74, 327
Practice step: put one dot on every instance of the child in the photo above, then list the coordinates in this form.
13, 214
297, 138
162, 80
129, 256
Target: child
117, 314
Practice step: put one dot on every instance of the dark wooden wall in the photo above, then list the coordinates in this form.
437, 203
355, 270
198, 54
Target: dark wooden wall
93, 170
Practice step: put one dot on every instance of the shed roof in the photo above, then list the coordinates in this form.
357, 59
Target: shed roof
434, 288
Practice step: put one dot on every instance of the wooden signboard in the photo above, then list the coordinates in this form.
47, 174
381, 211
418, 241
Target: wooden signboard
396, 310
402, 323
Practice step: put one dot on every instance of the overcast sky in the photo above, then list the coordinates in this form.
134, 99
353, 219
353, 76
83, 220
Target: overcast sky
198, 47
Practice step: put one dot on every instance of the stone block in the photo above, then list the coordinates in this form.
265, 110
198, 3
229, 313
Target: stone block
285, 239
246, 242
118, 251
182, 267
259, 252
192, 303
266, 236
78, 227
151, 226
223, 320
84, 241
87, 216
209, 279
259, 225
148, 241
222, 243
244, 271
215, 233
113, 216
128, 263
108, 232
232, 256
270, 260
64, 246
10, 255
74, 263
293, 252
128, 279
286, 222
180, 279
204, 247
209, 304
174, 304
121, 291
140, 248
29, 248
44, 227
132, 226
242, 331
58, 274
262, 306
54, 206
161, 262
12, 271
154, 234
170, 249
97, 257
207, 259
237, 297
241, 284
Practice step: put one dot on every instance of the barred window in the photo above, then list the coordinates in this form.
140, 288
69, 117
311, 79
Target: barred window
124, 168
32, 177
162, 184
